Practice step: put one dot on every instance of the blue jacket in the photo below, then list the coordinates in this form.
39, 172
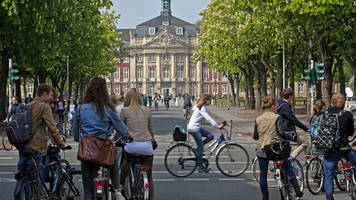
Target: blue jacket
284, 109
92, 123
15, 108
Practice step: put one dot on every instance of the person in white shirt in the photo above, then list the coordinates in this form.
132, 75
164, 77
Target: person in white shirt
194, 128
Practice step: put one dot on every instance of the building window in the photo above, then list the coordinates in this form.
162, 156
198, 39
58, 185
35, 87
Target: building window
152, 72
152, 90
192, 90
126, 60
166, 57
180, 90
117, 89
180, 72
117, 74
215, 89
108, 87
179, 58
165, 23
151, 58
165, 72
139, 72
224, 89
215, 74
301, 88
126, 89
126, 72
139, 58
152, 31
206, 89
139, 89
179, 30
192, 72
30, 89
205, 73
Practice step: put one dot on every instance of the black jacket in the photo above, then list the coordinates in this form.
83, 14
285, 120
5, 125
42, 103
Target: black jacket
346, 123
285, 110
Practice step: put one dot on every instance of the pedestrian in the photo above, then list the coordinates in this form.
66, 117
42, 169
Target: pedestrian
144, 100
285, 110
28, 99
60, 110
97, 115
265, 132
42, 121
138, 120
346, 129
200, 112
150, 101
16, 107
71, 108
166, 101
318, 112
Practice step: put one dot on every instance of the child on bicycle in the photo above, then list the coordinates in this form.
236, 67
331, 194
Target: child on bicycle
200, 112
265, 133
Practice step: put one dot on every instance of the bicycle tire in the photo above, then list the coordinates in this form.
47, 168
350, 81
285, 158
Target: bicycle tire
127, 193
299, 173
283, 190
340, 178
181, 161
6, 147
352, 187
28, 189
240, 156
256, 172
143, 187
68, 186
315, 168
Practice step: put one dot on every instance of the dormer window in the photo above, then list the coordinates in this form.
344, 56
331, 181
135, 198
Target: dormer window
152, 31
179, 30
165, 23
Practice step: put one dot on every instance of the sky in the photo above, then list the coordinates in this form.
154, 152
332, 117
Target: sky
134, 12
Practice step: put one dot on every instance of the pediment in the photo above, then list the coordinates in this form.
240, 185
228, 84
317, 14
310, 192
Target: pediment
165, 40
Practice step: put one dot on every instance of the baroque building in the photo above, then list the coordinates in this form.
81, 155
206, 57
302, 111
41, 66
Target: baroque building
161, 51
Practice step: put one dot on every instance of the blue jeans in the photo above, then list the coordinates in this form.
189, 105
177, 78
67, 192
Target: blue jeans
25, 164
263, 162
200, 143
330, 162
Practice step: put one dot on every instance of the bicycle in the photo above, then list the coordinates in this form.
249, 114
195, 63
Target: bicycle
62, 186
232, 159
102, 183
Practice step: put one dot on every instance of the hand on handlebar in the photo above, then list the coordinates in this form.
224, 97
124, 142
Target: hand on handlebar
220, 126
67, 147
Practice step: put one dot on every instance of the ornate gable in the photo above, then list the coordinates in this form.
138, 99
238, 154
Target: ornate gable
165, 40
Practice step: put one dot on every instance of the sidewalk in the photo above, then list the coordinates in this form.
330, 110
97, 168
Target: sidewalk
243, 120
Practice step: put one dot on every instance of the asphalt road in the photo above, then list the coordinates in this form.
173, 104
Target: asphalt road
212, 186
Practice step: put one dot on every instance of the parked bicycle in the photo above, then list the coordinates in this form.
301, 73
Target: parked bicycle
231, 158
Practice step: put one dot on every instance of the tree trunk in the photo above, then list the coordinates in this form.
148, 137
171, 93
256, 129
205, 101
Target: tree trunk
3, 80
247, 96
328, 61
280, 75
18, 89
238, 89
273, 84
250, 84
352, 63
231, 82
340, 65
35, 85
291, 84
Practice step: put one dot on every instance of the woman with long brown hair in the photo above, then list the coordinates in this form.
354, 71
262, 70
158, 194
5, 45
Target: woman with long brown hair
200, 112
96, 118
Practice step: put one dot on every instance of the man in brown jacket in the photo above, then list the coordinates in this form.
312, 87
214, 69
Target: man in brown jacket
41, 120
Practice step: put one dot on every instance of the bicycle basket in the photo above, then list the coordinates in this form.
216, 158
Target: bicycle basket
179, 134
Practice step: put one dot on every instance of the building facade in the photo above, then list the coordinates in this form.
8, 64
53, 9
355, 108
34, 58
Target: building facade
161, 51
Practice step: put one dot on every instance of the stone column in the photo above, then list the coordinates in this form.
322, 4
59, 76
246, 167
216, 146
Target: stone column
173, 74
186, 74
199, 78
132, 71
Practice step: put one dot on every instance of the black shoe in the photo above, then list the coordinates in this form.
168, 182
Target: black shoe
204, 170
265, 195
296, 187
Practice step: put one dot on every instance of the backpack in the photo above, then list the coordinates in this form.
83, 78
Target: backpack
19, 129
329, 136
285, 130
315, 126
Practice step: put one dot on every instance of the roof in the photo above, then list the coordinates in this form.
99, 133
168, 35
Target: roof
157, 21
125, 34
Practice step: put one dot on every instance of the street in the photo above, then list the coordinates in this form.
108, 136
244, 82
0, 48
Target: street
197, 186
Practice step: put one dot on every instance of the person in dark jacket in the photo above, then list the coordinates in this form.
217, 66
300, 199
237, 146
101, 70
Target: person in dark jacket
346, 129
15, 108
284, 109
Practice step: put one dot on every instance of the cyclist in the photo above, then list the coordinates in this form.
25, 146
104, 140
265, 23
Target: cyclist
284, 110
15, 108
265, 133
331, 158
138, 119
166, 100
315, 121
200, 112
187, 104
42, 121
97, 115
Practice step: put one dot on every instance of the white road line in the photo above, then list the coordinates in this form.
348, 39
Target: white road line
197, 179
232, 179
4, 173
164, 180
6, 158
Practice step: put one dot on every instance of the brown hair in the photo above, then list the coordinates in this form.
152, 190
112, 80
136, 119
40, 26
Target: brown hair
318, 107
116, 99
203, 99
287, 92
133, 99
338, 100
97, 94
268, 102
44, 88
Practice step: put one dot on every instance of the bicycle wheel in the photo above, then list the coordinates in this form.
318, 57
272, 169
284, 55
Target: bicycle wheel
31, 190
180, 160
315, 175
283, 189
143, 187
257, 173
6, 144
71, 186
298, 170
232, 160
352, 187
127, 190
340, 177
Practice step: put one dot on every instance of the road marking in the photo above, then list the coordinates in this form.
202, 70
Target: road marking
197, 179
6, 158
164, 180
4, 173
232, 179
6, 180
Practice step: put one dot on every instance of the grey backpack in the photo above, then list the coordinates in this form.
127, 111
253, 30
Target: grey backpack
329, 136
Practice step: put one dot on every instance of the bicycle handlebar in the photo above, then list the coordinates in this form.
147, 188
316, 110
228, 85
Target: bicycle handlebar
122, 141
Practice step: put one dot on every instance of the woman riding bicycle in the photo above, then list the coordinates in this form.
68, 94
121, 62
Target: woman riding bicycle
266, 134
138, 120
200, 112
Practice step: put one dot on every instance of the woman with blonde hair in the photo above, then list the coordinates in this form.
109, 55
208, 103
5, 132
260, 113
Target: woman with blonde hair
200, 112
138, 120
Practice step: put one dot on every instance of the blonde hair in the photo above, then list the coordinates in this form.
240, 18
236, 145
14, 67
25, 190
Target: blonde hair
133, 99
338, 100
203, 99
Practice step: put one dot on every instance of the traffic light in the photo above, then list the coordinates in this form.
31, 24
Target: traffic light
13, 73
318, 67
308, 75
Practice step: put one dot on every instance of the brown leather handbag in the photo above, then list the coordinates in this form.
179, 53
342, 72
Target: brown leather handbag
94, 149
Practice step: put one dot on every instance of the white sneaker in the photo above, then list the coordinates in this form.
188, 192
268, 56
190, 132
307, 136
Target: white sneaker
118, 195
